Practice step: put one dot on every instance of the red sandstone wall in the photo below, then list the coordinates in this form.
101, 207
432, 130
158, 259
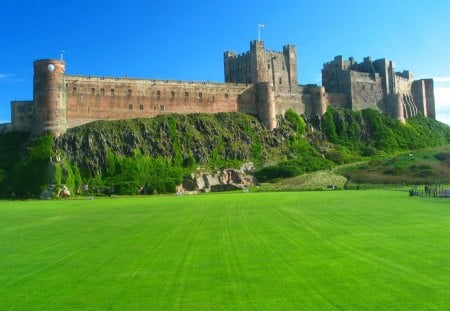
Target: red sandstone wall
90, 99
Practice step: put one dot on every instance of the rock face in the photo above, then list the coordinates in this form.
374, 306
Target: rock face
224, 180
64, 192
224, 136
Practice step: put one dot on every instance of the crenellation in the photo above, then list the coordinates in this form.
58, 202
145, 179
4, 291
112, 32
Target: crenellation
260, 82
376, 84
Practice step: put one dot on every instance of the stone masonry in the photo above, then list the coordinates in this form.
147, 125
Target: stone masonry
259, 82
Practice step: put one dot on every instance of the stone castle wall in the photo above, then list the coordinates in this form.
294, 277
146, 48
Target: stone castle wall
22, 113
375, 84
259, 82
366, 91
94, 98
261, 65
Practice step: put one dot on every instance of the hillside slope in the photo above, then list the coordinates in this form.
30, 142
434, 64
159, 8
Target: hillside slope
156, 153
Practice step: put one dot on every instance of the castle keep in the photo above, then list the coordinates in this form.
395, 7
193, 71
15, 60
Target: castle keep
259, 82
375, 84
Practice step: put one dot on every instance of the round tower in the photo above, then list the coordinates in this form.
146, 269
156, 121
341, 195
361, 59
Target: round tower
49, 97
265, 102
319, 101
398, 109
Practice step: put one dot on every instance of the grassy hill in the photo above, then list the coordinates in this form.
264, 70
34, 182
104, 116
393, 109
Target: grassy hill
155, 154
429, 166
345, 250
420, 167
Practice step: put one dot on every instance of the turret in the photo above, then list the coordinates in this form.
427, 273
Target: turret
290, 54
319, 101
258, 62
265, 103
397, 107
49, 97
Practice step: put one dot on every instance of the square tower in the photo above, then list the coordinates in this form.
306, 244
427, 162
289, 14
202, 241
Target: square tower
260, 65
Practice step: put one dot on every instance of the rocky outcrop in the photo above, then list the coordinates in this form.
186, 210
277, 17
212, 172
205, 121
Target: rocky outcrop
205, 138
223, 180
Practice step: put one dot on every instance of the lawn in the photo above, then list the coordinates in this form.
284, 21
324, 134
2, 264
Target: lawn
352, 250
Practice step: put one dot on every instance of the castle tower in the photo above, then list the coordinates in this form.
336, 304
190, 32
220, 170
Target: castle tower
49, 97
265, 103
290, 54
319, 106
397, 108
258, 62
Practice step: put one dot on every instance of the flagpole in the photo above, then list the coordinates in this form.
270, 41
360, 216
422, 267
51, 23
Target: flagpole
259, 31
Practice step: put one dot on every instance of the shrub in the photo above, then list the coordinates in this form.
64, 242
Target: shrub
328, 126
297, 122
271, 172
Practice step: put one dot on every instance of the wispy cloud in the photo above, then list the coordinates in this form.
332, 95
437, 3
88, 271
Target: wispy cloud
442, 97
5, 75
440, 80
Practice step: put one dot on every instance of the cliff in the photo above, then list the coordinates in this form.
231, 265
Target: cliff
156, 154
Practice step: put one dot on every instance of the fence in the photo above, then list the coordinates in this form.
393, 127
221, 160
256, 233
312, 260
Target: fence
430, 191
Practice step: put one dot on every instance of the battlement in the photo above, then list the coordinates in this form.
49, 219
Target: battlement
376, 84
258, 81
261, 65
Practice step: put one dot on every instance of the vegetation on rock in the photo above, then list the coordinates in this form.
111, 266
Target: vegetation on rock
153, 155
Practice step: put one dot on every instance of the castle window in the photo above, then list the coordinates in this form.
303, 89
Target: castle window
226, 95
102, 91
154, 108
92, 91
172, 94
141, 107
130, 92
363, 87
130, 106
158, 95
268, 66
74, 90
186, 94
200, 96
371, 87
161, 107
112, 92
281, 81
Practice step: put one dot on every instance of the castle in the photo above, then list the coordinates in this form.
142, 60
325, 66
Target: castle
259, 82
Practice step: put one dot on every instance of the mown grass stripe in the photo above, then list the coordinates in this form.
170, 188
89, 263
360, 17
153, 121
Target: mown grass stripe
369, 250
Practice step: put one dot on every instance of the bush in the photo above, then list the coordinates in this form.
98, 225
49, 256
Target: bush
328, 126
271, 172
297, 122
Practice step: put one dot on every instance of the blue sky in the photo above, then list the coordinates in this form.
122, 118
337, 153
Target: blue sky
185, 40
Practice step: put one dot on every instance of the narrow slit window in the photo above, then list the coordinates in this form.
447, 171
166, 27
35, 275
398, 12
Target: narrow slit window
130, 92
141, 107
92, 91
112, 92
161, 107
130, 106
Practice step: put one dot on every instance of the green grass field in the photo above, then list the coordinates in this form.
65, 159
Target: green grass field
366, 250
